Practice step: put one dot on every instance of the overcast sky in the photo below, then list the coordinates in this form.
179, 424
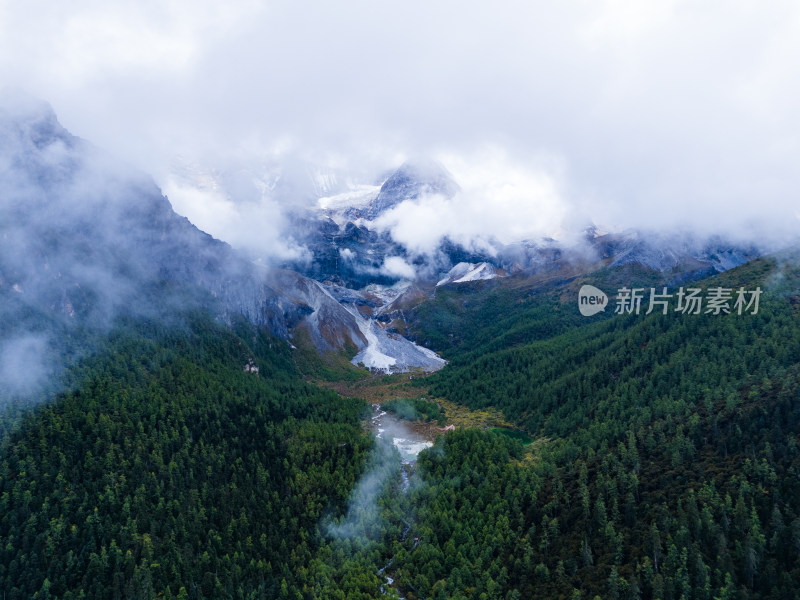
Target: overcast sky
625, 112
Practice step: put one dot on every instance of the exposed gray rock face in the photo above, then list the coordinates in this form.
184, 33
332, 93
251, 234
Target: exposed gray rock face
385, 350
349, 255
686, 253
346, 249
85, 239
330, 325
665, 252
391, 353
410, 182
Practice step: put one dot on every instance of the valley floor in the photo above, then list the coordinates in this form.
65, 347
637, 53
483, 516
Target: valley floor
383, 388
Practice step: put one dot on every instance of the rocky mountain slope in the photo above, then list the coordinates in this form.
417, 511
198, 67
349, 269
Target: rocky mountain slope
85, 239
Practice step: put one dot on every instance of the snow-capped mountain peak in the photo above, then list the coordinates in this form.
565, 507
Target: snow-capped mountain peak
464, 272
409, 182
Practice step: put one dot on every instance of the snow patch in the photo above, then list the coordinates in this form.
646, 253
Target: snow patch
371, 356
356, 197
391, 353
464, 272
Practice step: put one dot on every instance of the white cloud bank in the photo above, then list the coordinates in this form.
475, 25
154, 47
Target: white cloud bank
499, 200
656, 114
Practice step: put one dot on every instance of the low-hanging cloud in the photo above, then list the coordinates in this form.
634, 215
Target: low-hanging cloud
679, 114
256, 225
363, 521
499, 201
85, 239
396, 266
26, 362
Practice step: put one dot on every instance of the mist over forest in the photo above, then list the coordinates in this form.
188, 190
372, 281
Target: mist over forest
415, 301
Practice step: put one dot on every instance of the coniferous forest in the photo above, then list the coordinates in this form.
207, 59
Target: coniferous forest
664, 465
399, 300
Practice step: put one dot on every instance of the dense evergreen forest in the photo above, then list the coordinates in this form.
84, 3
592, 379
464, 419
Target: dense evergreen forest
171, 471
665, 462
670, 469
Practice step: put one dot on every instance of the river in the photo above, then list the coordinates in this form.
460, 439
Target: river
409, 440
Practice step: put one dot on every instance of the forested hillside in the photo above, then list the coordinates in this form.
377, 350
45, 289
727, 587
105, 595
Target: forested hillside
170, 470
670, 468
469, 320
665, 462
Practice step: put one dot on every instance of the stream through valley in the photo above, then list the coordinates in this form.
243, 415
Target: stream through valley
409, 439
